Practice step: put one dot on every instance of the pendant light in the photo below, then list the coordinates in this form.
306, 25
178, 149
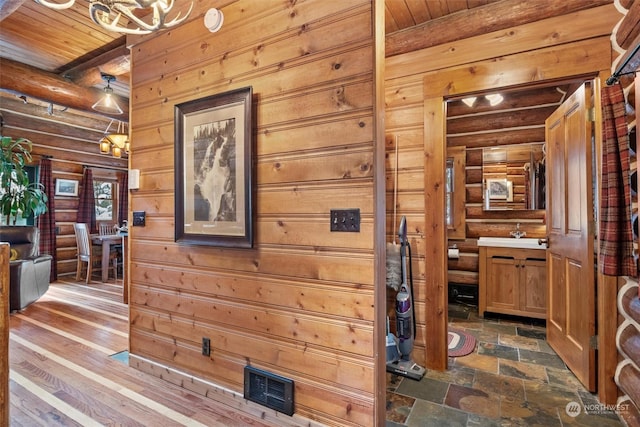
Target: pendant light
107, 104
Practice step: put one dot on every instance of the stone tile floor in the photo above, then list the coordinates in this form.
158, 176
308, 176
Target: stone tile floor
513, 378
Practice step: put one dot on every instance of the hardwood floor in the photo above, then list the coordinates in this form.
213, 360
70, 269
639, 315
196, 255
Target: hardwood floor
66, 368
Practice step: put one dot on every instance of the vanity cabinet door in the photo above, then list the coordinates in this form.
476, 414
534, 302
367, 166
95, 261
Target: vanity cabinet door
503, 276
533, 282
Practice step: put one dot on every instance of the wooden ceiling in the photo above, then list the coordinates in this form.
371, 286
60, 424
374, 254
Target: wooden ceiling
401, 14
68, 44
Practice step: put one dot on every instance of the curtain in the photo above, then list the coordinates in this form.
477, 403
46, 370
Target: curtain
87, 204
616, 236
123, 196
47, 221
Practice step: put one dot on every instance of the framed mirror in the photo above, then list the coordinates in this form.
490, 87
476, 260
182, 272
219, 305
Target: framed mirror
513, 177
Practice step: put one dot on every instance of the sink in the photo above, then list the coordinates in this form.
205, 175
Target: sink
510, 242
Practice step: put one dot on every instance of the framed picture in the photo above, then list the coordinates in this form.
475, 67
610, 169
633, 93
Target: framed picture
66, 187
213, 170
500, 189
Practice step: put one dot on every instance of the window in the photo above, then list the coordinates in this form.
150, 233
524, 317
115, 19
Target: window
32, 172
455, 192
106, 201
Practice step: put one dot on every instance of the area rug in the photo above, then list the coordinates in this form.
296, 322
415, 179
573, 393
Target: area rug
460, 343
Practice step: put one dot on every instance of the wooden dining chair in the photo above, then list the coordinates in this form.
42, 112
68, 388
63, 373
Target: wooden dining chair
89, 254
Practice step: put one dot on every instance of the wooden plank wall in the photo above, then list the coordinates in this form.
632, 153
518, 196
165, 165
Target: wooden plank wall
404, 114
301, 302
70, 138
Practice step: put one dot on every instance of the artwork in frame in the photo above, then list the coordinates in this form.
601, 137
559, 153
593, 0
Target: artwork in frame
213, 170
500, 189
66, 187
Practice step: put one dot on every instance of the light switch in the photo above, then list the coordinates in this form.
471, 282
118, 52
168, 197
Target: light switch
138, 218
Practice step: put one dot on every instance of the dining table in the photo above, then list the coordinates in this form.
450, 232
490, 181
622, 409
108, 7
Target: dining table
106, 241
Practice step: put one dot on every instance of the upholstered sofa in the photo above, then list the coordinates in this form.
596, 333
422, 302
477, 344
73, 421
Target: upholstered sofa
30, 271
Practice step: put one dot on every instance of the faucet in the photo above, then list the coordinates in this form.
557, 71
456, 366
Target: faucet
518, 234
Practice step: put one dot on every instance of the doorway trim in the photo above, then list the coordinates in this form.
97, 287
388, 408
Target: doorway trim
575, 60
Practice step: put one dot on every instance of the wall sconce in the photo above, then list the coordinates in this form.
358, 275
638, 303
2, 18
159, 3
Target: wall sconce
107, 104
116, 142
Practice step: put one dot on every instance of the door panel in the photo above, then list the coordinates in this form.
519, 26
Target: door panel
571, 288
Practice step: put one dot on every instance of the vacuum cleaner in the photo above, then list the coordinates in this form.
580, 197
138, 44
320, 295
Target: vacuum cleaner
399, 347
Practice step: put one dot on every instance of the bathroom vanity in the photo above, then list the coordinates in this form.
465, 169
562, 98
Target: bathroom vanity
512, 277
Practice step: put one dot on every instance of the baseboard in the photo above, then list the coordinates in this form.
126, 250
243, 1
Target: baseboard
235, 401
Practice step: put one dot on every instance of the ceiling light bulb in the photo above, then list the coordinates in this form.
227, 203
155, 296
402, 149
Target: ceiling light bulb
494, 99
469, 101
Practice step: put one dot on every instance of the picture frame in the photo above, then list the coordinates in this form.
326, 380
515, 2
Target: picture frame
213, 170
500, 189
66, 187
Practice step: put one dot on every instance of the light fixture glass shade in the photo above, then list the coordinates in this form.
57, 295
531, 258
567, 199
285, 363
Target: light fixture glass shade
107, 104
494, 99
469, 101
105, 146
116, 151
118, 139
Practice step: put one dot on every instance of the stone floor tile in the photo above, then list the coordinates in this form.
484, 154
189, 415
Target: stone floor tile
523, 370
460, 375
519, 342
425, 389
479, 362
563, 378
497, 350
429, 414
541, 358
532, 333
500, 328
398, 407
473, 400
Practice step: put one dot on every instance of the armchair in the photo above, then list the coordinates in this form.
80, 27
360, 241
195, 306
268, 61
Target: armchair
29, 271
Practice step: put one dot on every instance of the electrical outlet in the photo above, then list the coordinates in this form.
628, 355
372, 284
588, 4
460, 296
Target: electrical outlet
345, 220
206, 346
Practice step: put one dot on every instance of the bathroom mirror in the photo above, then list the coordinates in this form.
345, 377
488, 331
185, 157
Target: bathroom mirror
513, 177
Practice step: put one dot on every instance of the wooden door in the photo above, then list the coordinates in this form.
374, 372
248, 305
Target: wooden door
570, 256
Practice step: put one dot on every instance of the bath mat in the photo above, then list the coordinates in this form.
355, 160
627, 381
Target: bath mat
460, 343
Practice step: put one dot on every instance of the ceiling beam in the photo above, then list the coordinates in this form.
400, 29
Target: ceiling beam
480, 20
32, 82
7, 7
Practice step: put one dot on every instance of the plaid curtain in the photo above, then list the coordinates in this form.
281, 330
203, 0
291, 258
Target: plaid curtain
123, 196
616, 236
47, 221
87, 204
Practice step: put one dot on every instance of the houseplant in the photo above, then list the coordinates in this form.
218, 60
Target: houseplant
17, 195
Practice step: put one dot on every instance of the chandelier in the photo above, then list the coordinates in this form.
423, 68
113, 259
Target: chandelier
115, 142
107, 14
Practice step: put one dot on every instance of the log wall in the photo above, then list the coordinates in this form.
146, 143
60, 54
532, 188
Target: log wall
300, 303
578, 32
70, 138
627, 372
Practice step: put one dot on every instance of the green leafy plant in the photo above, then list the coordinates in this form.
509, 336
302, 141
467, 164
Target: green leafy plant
17, 195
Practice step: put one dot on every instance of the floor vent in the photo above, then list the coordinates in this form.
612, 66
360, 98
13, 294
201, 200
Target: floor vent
270, 390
